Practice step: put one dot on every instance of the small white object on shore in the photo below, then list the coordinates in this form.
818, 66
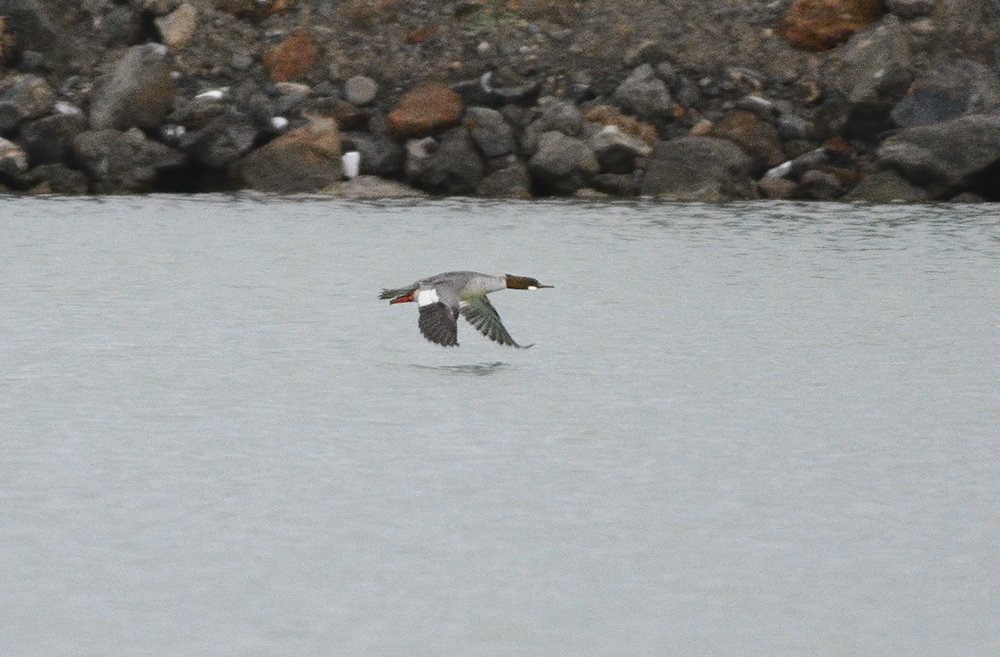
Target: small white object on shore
214, 94
780, 171
279, 123
352, 164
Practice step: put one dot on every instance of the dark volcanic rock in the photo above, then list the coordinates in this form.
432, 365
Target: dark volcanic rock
138, 94
512, 181
703, 169
306, 159
50, 140
756, 137
29, 23
380, 156
447, 165
944, 157
910, 8
224, 140
123, 162
617, 152
559, 116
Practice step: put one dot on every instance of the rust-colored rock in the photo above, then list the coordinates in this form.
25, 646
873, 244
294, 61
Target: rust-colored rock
608, 115
823, 24
756, 137
306, 159
290, 58
425, 110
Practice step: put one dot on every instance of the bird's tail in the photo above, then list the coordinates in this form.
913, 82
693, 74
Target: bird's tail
396, 293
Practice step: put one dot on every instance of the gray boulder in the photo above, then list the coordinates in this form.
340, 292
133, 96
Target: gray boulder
138, 94
696, 168
959, 88
123, 162
493, 136
871, 72
944, 157
644, 94
22, 98
559, 116
563, 164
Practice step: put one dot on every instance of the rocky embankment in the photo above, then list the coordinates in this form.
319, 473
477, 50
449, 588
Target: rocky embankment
705, 100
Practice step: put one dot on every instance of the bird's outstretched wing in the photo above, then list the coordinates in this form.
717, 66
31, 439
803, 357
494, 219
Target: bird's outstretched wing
480, 313
439, 323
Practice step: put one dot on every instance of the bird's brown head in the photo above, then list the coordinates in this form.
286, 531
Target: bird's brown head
523, 282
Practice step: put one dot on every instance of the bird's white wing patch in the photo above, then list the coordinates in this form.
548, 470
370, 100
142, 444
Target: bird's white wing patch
427, 297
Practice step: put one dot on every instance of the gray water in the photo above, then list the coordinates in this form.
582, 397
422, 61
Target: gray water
743, 430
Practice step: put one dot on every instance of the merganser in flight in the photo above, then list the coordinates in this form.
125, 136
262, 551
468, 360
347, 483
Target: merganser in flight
441, 298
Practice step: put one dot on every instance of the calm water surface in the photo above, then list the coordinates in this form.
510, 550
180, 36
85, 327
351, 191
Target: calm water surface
743, 430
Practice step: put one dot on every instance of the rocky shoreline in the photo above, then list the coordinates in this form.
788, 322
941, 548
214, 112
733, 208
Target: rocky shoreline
696, 100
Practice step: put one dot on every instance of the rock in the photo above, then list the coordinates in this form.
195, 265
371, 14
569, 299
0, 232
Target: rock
177, 27
887, 187
28, 23
222, 141
493, 135
791, 127
823, 24
618, 184
138, 94
360, 90
22, 98
873, 72
512, 181
425, 110
305, 159
123, 162
447, 165
370, 187
617, 152
482, 92
645, 95
776, 189
290, 58
562, 164
120, 27
605, 115
944, 157
559, 116
50, 140
380, 155
13, 160
694, 168
347, 115
756, 137
937, 95
818, 185
910, 8
57, 179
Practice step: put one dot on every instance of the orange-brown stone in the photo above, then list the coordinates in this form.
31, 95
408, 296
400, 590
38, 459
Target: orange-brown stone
290, 58
824, 24
425, 110
755, 136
